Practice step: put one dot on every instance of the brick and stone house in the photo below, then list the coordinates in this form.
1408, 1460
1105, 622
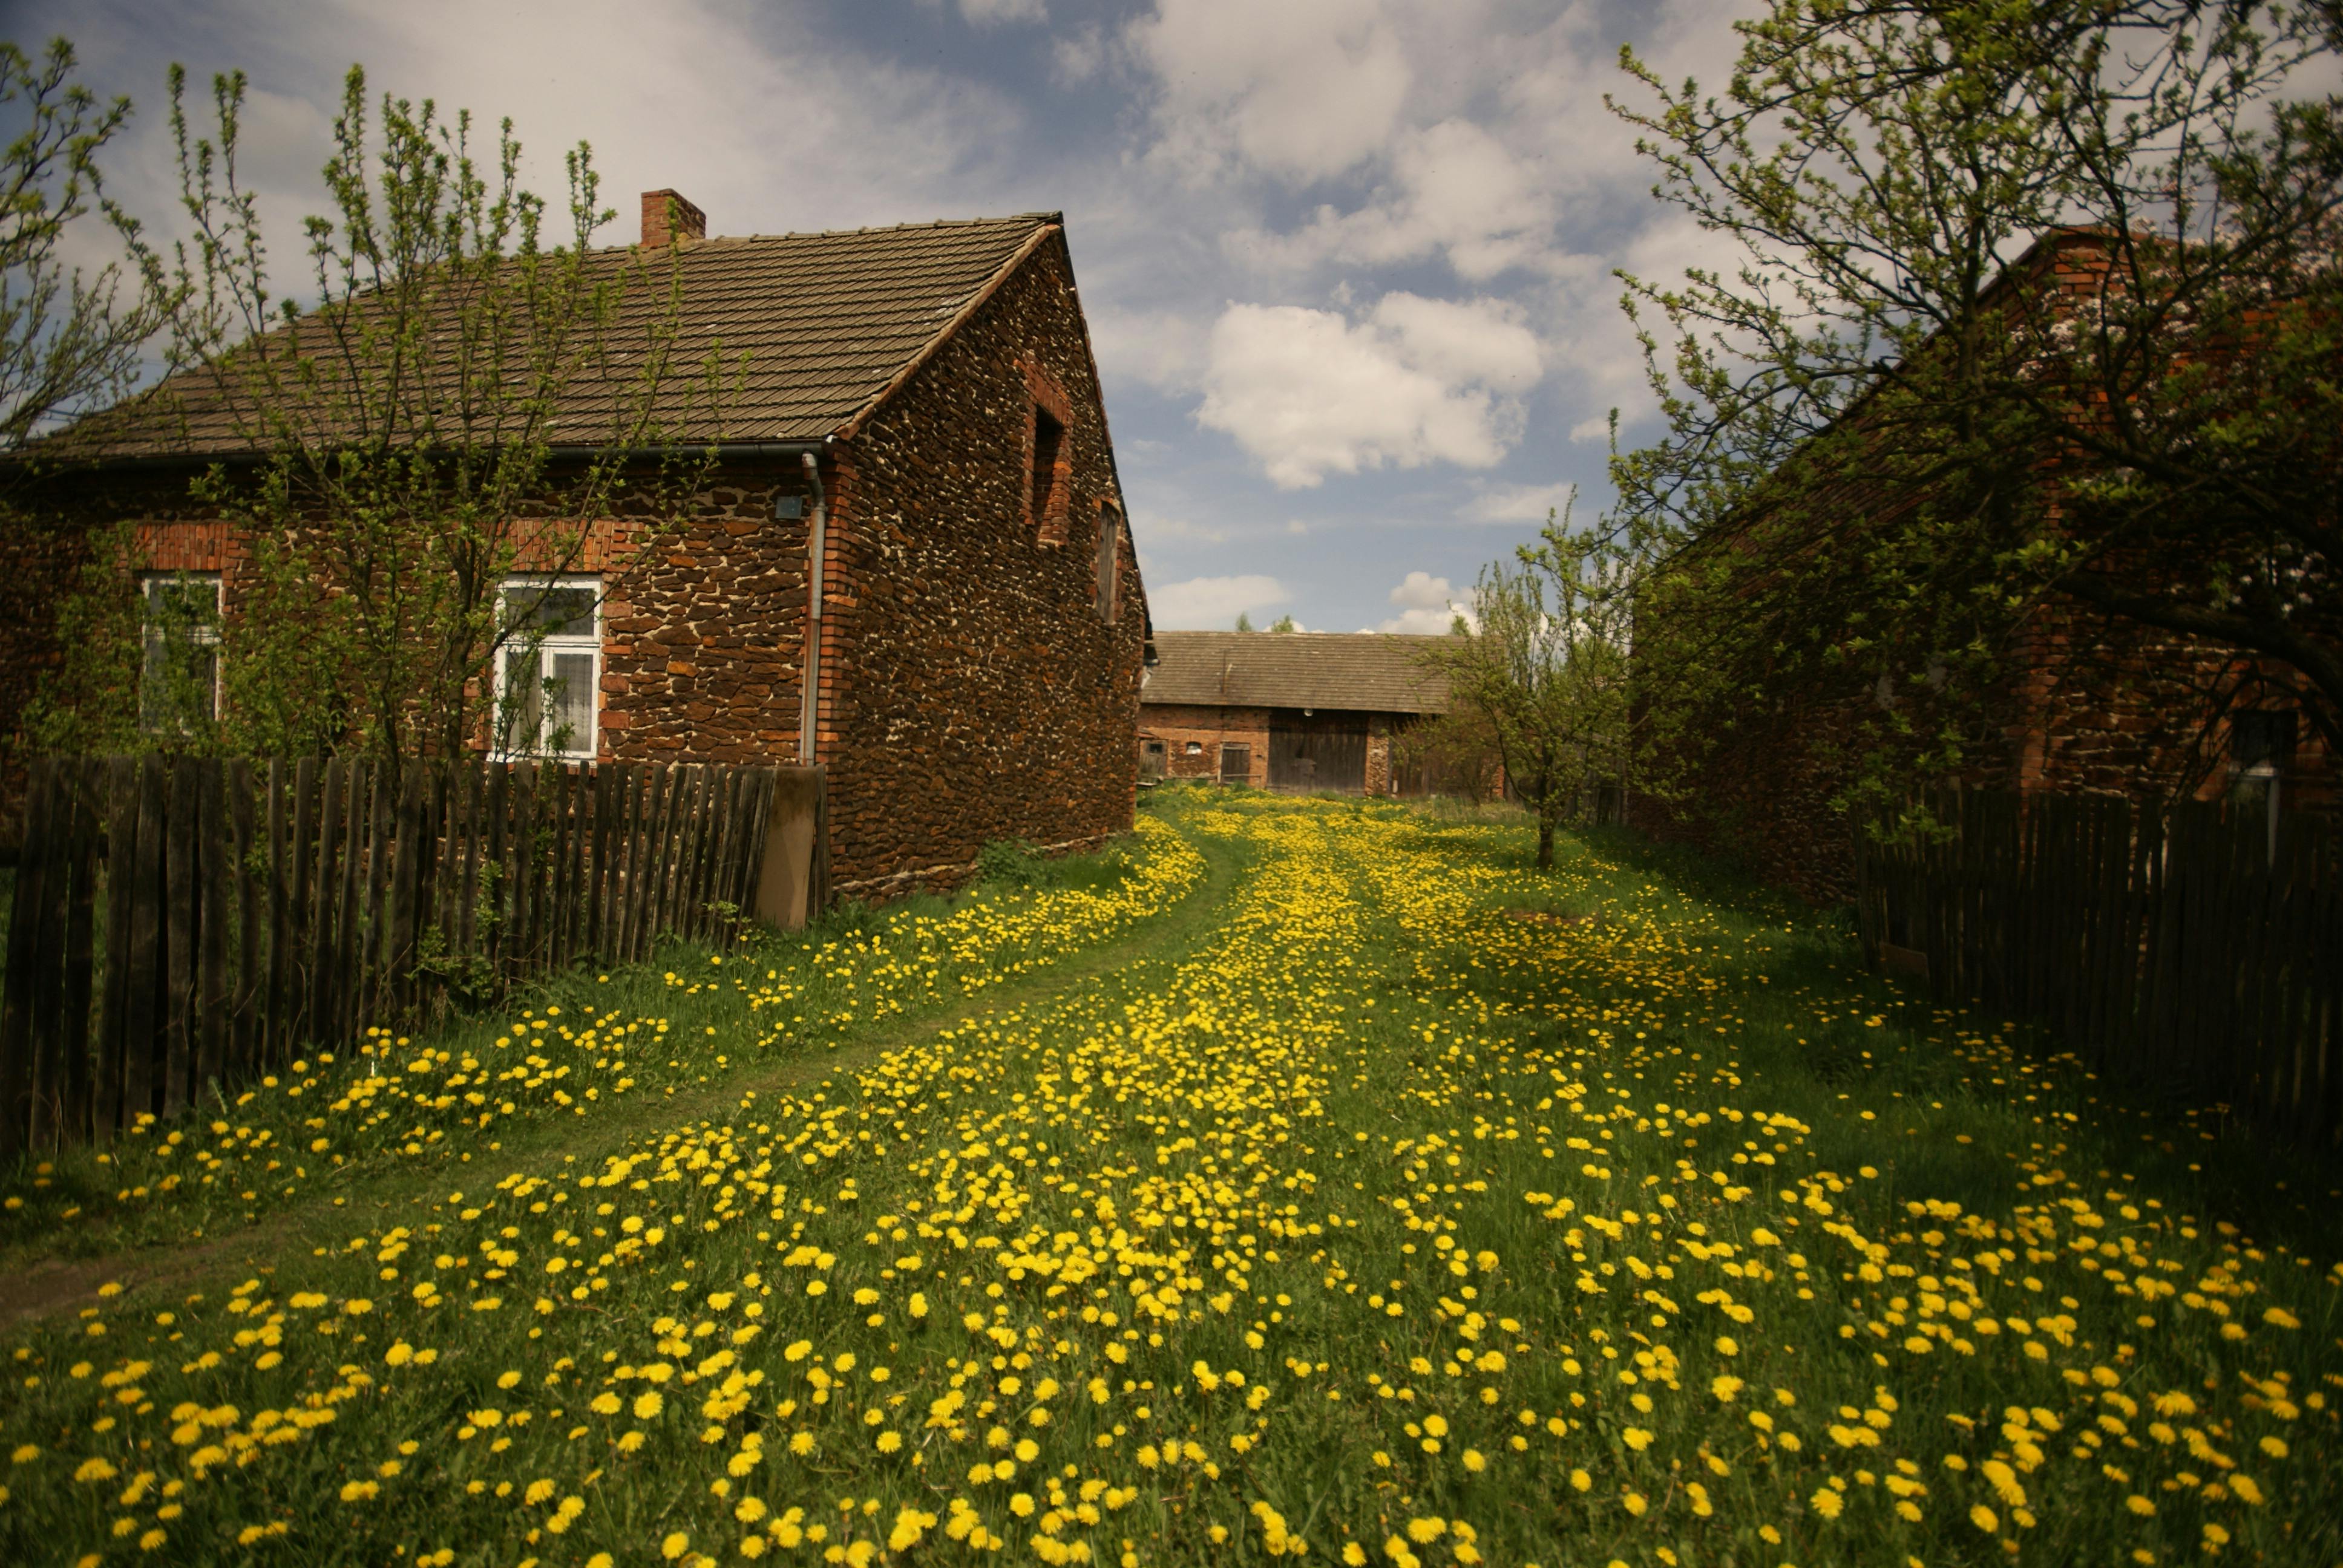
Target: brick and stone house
1284, 711
910, 564
2088, 704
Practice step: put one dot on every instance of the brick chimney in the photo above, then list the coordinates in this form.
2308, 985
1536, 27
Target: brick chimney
690, 222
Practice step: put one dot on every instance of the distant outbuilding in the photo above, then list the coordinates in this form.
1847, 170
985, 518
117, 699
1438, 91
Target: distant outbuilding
1286, 710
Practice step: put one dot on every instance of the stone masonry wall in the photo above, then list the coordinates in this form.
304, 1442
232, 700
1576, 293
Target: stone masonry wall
972, 691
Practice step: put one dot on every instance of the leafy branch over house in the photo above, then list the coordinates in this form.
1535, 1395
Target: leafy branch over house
2006, 451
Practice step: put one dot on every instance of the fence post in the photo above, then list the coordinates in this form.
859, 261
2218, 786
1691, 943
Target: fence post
792, 881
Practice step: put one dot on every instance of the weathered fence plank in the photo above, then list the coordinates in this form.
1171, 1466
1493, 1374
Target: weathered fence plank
2191, 952
180, 925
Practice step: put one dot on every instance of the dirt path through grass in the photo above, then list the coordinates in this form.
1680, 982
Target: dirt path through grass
36, 1285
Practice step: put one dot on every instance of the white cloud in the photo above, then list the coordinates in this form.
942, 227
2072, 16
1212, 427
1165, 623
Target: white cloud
1422, 622
1204, 603
1455, 189
1310, 392
1159, 348
1426, 603
992, 12
1517, 503
1078, 56
868, 140
1421, 590
1156, 525
1302, 90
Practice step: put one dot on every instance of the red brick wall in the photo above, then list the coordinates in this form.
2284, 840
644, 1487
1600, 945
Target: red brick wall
1177, 725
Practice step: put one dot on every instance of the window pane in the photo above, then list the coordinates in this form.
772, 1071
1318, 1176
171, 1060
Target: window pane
572, 730
555, 611
182, 601
523, 702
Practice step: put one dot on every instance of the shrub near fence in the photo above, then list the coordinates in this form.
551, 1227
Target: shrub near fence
179, 922
2188, 951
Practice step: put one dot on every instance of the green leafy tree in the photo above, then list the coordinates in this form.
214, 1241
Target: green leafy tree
70, 339
1890, 454
1542, 661
464, 389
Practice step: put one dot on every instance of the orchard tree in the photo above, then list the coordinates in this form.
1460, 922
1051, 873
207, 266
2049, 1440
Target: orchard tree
1892, 443
1541, 662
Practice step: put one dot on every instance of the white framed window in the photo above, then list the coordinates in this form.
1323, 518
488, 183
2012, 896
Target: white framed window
550, 668
178, 675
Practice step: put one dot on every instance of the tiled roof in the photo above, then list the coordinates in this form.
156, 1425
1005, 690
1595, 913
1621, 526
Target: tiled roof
826, 321
1331, 671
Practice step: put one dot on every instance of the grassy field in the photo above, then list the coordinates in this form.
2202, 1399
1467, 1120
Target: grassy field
1316, 1181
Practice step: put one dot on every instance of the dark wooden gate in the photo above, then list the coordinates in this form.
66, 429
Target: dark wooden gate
1318, 751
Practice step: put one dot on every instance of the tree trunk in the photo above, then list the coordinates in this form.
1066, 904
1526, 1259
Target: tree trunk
1545, 846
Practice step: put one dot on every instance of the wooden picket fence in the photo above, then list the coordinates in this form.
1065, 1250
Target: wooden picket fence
185, 922
2189, 951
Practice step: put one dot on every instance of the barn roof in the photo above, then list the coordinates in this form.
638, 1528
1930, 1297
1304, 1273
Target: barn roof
1332, 671
829, 323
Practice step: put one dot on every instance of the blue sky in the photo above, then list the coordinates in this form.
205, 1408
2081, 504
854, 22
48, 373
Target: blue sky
1348, 264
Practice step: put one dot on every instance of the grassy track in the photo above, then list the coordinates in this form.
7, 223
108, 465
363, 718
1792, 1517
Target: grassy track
1415, 1210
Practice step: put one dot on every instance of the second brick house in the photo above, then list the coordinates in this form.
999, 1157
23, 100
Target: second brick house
909, 563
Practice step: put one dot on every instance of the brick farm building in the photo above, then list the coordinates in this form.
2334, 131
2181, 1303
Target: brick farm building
908, 564
1284, 711
2089, 704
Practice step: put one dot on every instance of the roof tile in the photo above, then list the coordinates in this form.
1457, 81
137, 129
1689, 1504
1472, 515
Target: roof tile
826, 320
1334, 671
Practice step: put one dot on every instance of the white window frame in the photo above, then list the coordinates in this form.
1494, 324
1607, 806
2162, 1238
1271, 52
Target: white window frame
151, 635
581, 748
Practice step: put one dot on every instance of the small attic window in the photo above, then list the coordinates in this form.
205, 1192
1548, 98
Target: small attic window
1047, 501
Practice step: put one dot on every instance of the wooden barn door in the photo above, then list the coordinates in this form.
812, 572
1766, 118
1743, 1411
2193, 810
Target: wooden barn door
1318, 751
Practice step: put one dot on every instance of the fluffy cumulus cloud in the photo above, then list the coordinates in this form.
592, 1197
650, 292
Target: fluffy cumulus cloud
1455, 190
1302, 90
1311, 392
1426, 603
1204, 604
1517, 503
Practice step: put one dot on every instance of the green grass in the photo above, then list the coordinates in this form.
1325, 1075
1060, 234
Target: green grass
1341, 1209
784, 999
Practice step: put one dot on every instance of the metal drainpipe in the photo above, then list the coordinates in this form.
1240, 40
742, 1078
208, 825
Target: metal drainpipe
810, 699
